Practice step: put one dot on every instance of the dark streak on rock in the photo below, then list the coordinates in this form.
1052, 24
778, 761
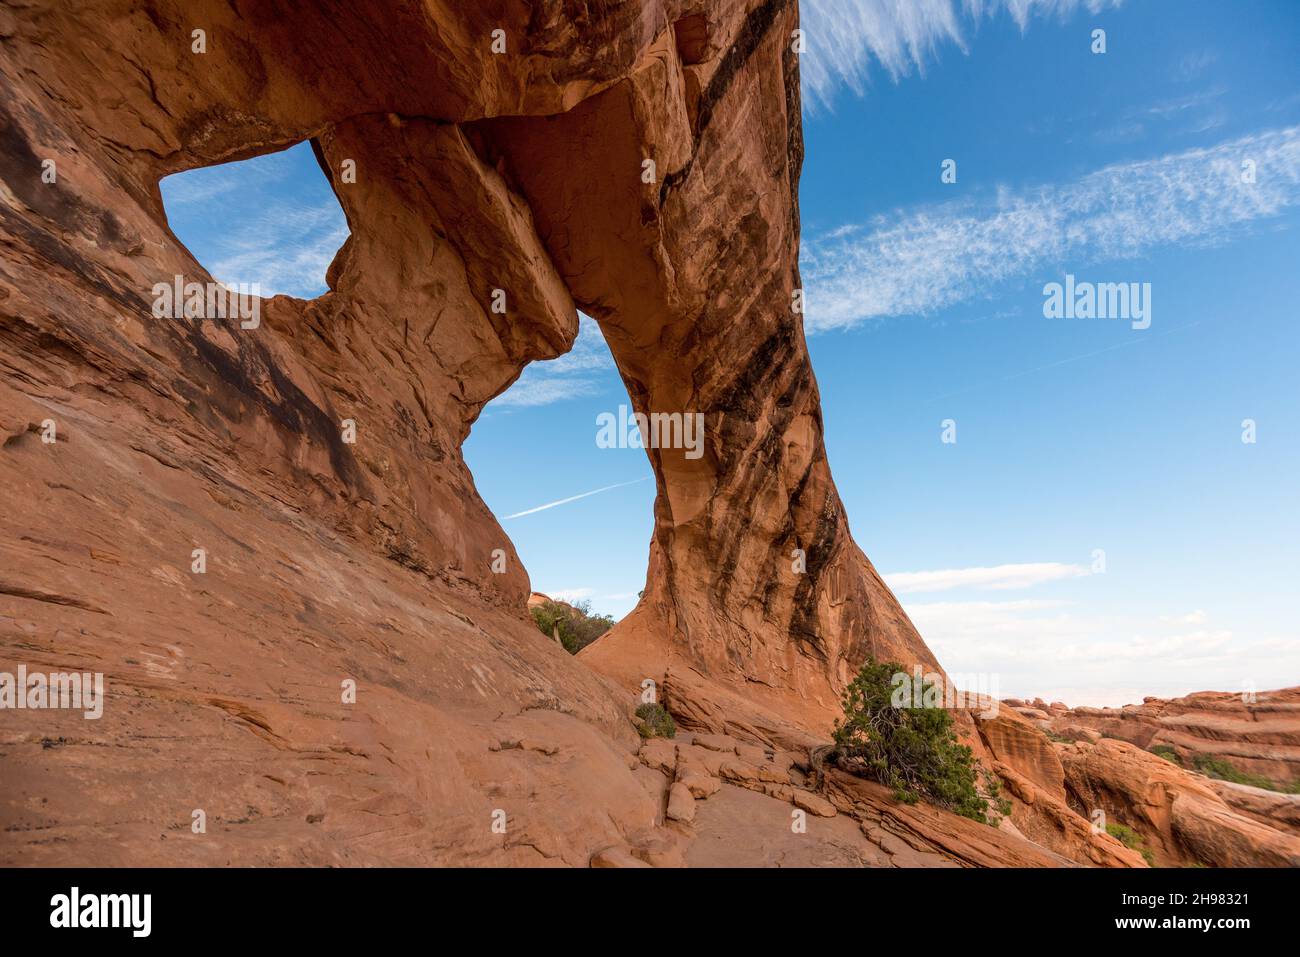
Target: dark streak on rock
748, 39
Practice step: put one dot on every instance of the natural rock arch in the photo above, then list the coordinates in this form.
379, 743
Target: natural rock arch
475, 171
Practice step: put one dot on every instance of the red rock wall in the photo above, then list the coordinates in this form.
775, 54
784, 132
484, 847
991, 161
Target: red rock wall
1259, 737
372, 561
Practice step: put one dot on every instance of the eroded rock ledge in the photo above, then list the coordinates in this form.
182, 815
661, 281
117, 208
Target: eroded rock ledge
372, 561
1141, 765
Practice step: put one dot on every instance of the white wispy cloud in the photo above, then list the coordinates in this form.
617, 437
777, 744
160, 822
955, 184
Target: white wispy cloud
574, 498
1197, 617
995, 577
848, 39
1194, 64
917, 261
1187, 115
239, 179
197, 188
252, 226
583, 370
1057, 651
570, 595
286, 250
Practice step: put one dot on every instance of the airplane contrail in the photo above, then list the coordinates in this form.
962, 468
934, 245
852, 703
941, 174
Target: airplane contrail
1060, 362
574, 498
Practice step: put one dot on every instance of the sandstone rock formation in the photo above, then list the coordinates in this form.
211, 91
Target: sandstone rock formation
1184, 816
1179, 815
329, 561
734, 804
1031, 774
1273, 808
312, 652
1260, 737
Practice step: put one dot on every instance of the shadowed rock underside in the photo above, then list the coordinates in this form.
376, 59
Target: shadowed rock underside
330, 562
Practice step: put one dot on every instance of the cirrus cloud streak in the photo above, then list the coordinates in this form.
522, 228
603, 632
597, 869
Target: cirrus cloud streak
915, 262
995, 577
846, 39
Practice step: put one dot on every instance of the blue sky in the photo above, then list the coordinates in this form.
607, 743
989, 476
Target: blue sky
925, 303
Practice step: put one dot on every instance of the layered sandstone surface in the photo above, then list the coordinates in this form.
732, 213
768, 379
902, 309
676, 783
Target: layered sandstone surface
1148, 767
348, 674
1258, 733
1181, 817
638, 160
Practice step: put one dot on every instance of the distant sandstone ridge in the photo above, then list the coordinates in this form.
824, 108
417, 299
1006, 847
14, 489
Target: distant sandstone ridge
1258, 733
314, 634
1210, 778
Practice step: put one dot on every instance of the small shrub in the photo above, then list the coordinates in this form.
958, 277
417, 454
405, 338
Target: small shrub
576, 625
1167, 752
1132, 840
913, 750
993, 792
655, 722
1221, 770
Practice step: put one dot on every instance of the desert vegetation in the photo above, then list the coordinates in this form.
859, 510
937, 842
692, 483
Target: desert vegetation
654, 722
574, 624
913, 750
1219, 769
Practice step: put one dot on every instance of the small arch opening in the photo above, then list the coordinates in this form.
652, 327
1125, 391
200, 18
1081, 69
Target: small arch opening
272, 220
579, 512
